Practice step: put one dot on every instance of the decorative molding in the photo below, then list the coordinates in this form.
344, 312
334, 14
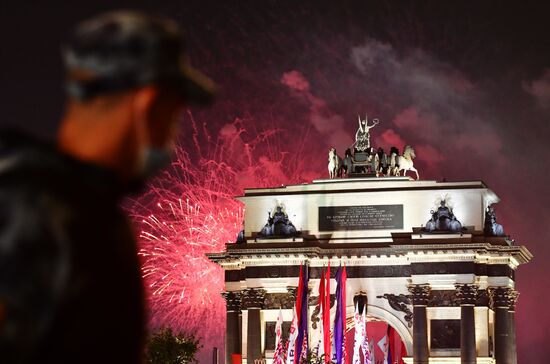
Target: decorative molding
449, 298
233, 300
420, 294
513, 296
315, 317
400, 303
292, 291
253, 298
279, 300
443, 298
466, 294
375, 271
314, 300
499, 297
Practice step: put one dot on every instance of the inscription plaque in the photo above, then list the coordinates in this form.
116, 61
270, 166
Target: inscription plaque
369, 217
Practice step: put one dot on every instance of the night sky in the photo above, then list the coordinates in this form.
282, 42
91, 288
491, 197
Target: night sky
466, 83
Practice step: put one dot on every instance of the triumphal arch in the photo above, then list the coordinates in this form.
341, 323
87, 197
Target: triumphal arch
429, 258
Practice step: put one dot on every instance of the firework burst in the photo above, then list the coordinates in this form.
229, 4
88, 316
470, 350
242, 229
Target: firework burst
190, 210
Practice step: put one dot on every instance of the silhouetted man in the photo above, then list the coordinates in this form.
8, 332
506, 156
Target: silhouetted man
70, 283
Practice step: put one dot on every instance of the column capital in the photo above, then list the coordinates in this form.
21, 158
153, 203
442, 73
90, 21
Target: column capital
233, 300
513, 297
502, 297
466, 294
254, 298
292, 292
420, 294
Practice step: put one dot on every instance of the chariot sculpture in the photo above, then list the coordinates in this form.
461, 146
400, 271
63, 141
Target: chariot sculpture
361, 159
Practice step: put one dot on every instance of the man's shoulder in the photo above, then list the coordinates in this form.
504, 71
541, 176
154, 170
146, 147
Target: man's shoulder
27, 160
34, 166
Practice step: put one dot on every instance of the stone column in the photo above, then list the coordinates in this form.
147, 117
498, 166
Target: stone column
513, 297
466, 294
232, 333
419, 298
499, 299
253, 300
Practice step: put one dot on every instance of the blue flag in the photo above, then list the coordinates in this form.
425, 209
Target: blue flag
338, 324
302, 314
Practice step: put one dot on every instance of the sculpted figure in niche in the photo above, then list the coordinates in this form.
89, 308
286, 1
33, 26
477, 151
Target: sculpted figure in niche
278, 223
443, 219
491, 227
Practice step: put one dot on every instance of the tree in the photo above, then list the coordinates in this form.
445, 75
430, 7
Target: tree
165, 347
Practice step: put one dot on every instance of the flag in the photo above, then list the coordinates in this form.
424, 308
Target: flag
290, 352
361, 338
367, 356
372, 352
391, 340
402, 352
303, 354
383, 345
326, 317
344, 346
340, 319
278, 356
322, 301
301, 308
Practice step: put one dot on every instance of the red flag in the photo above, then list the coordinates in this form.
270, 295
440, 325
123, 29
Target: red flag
344, 278
391, 344
321, 302
299, 295
402, 353
326, 317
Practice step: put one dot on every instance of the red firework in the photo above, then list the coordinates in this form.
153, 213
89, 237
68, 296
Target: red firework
190, 211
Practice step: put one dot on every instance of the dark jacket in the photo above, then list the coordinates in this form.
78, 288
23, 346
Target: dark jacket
70, 281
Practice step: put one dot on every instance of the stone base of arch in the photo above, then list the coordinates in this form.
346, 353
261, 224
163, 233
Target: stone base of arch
451, 360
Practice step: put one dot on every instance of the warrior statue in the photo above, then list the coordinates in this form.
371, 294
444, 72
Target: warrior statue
492, 228
362, 136
443, 219
278, 223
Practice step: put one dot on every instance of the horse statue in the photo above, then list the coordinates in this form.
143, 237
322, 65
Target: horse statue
405, 162
347, 163
334, 164
393, 167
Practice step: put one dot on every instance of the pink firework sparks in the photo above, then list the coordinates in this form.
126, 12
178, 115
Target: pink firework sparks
190, 211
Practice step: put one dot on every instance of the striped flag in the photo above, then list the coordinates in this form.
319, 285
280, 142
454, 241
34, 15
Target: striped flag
372, 352
291, 352
321, 303
367, 356
383, 345
279, 350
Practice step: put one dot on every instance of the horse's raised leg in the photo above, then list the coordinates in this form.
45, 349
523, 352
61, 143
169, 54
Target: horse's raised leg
414, 169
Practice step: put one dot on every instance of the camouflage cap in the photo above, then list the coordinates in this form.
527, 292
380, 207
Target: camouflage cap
122, 50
